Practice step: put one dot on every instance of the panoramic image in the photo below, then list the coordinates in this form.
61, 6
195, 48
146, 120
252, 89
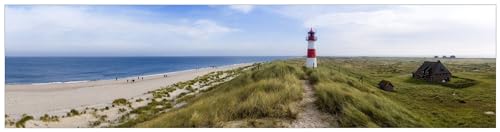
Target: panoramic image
250, 66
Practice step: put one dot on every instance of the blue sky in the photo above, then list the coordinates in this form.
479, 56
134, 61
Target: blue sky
249, 30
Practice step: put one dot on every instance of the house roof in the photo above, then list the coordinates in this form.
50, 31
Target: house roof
435, 67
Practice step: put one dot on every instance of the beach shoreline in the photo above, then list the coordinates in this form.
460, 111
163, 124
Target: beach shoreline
121, 78
68, 84
58, 98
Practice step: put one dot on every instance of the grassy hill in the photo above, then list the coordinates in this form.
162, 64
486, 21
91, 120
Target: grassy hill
347, 88
262, 97
267, 96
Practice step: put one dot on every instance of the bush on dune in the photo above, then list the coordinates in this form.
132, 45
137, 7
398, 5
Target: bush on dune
25, 118
120, 101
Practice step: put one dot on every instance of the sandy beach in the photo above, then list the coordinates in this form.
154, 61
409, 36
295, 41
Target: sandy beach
57, 99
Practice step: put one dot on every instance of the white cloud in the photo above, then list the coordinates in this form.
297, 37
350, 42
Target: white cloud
466, 30
242, 8
65, 30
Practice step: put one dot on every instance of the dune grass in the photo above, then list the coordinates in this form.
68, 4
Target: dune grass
267, 95
347, 89
357, 104
160, 102
268, 91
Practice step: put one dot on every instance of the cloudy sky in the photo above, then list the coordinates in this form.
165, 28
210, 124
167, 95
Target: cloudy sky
244, 30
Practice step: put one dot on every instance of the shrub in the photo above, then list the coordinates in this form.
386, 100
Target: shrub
72, 112
120, 101
47, 118
121, 110
95, 123
23, 120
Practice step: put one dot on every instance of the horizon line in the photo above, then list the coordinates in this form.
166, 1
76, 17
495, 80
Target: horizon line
431, 57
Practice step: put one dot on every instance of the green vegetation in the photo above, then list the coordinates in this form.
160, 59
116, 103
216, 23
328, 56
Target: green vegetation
269, 92
23, 120
101, 119
267, 95
144, 113
357, 104
185, 98
347, 88
160, 104
72, 112
120, 101
182, 94
455, 82
121, 110
47, 118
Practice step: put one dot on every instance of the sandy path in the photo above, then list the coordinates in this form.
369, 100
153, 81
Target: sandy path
310, 116
59, 98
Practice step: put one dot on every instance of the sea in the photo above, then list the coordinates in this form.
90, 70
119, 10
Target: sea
42, 70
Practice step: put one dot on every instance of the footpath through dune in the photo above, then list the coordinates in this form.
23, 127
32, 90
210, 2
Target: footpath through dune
310, 116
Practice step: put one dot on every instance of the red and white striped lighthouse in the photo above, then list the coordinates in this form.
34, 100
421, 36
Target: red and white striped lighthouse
311, 61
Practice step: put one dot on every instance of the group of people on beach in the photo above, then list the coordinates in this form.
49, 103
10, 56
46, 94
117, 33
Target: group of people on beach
133, 80
142, 78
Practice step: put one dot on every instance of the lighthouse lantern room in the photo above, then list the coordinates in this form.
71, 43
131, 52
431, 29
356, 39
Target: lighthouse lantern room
311, 61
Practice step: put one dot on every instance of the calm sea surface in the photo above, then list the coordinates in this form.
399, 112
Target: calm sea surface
28, 70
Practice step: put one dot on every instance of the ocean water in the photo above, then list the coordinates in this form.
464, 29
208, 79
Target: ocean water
33, 70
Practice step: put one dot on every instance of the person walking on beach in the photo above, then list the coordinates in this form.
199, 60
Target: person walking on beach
127, 80
142, 78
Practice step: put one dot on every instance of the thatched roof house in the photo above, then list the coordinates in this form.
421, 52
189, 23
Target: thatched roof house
433, 71
386, 85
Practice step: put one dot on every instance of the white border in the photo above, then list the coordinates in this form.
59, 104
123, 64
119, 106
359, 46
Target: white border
227, 2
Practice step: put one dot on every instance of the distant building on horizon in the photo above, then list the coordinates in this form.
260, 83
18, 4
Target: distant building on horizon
452, 57
311, 61
436, 57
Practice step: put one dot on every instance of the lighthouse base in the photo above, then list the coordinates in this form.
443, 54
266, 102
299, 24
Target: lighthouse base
311, 63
